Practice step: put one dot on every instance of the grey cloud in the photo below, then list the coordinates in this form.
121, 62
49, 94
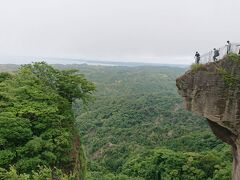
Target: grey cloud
117, 29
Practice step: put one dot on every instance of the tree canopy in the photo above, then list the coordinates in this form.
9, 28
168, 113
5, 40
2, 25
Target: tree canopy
37, 125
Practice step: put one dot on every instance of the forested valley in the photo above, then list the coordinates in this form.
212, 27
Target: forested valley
132, 127
137, 129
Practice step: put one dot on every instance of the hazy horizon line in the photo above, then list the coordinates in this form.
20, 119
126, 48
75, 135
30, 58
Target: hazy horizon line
22, 59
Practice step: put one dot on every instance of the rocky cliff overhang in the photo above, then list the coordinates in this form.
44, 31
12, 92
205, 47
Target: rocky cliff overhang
213, 91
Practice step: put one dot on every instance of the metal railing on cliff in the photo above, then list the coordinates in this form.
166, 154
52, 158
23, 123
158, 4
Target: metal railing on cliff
208, 57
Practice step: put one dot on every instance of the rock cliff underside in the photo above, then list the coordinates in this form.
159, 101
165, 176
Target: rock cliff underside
213, 91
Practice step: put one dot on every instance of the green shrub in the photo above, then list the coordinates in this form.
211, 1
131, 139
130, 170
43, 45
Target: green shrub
198, 67
233, 57
228, 78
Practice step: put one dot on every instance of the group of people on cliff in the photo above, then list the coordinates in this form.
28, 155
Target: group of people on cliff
216, 53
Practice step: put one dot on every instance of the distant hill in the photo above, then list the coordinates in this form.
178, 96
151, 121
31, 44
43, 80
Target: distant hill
66, 61
8, 67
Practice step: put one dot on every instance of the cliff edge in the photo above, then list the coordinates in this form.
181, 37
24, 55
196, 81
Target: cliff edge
213, 91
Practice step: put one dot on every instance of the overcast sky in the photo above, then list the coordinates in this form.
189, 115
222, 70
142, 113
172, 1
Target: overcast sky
165, 31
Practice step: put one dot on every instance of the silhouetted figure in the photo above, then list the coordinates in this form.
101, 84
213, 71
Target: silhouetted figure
197, 57
215, 54
229, 46
238, 46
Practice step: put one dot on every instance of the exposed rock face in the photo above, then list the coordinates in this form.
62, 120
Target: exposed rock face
213, 91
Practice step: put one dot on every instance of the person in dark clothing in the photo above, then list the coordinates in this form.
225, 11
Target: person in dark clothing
215, 54
197, 57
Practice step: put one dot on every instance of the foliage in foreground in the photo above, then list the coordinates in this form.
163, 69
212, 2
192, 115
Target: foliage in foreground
43, 173
36, 118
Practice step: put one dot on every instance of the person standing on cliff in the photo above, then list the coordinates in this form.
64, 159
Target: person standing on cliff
228, 47
197, 57
215, 54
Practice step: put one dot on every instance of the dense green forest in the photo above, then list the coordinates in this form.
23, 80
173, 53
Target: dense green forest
38, 136
137, 128
134, 126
